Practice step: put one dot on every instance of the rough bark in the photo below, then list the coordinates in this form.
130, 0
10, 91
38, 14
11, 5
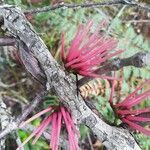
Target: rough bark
139, 60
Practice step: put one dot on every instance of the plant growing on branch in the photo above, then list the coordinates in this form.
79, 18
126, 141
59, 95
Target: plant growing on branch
88, 51
126, 111
58, 117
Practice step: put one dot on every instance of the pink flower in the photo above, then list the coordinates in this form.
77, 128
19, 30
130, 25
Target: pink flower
88, 51
57, 118
126, 111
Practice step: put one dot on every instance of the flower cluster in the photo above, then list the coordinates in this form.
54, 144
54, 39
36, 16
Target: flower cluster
57, 118
88, 51
126, 111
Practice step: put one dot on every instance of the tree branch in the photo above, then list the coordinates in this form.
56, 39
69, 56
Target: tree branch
130, 3
140, 59
5, 41
13, 125
4, 120
63, 85
38, 98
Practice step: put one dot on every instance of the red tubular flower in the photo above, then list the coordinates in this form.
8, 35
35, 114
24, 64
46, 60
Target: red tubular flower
88, 51
128, 114
56, 118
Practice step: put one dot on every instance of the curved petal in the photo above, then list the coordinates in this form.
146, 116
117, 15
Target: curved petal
133, 112
136, 127
35, 116
139, 119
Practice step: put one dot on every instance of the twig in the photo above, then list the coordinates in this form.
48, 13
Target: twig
3, 85
38, 98
73, 6
136, 21
4, 120
90, 141
139, 5
18, 140
18, 96
14, 124
5, 41
89, 5
140, 59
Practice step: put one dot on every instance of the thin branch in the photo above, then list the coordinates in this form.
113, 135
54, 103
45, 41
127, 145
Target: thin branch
136, 21
137, 4
3, 85
1, 2
38, 98
18, 140
14, 124
4, 120
140, 59
74, 6
89, 5
6, 41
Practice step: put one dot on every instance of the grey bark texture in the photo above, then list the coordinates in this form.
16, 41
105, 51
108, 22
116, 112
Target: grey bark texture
4, 121
139, 60
62, 84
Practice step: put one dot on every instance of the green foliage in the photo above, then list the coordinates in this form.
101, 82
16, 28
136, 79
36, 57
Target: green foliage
143, 140
39, 145
84, 131
51, 101
104, 108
